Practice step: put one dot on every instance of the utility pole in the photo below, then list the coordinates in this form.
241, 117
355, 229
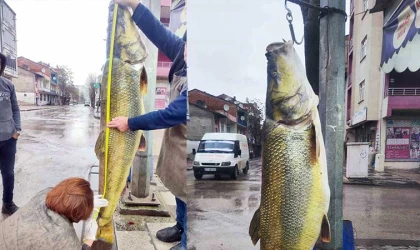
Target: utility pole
331, 107
141, 171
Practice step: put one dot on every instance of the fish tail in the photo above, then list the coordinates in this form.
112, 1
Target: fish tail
143, 144
254, 228
106, 232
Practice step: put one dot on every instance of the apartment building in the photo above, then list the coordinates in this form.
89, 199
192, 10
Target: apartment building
364, 77
383, 86
8, 41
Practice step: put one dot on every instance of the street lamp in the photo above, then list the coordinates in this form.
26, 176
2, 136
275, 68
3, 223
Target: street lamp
96, 86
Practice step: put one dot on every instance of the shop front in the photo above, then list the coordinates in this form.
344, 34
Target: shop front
401, 98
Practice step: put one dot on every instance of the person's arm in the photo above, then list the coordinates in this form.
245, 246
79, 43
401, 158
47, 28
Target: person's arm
174, 114
15, 109
166, 41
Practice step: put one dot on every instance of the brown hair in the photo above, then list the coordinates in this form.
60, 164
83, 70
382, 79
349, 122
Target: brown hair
71, 198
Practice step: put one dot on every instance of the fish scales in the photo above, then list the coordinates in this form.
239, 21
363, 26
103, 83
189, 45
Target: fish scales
287, 184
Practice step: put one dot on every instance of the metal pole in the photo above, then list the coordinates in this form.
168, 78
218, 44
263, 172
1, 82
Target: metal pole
331, 107
141, 171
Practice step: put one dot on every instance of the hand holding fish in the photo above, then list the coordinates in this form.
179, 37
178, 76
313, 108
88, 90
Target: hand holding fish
120, 123
130, 3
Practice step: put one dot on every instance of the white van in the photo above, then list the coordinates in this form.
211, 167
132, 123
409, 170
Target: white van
221, 153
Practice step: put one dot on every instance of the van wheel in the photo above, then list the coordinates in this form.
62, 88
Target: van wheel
198, 175
235, 173
245, 170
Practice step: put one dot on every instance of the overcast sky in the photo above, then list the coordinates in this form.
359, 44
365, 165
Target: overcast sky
227, 42
63, 32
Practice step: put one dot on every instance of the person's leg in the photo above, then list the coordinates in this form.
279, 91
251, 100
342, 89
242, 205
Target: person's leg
7, 161
171, 234
181, 214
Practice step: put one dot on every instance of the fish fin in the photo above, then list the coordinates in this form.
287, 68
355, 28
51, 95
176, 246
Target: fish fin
143, 81
100, 144
325, 230
142, 145
254, 227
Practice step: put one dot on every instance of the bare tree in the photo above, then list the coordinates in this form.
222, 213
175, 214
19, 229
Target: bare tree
255, 121
90, 83
65, 83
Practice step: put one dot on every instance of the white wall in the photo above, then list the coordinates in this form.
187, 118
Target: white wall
26, 98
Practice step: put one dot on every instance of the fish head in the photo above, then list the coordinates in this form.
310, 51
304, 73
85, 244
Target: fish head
128, 43
290, 97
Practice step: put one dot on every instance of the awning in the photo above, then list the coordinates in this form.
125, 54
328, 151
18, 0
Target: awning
401, 42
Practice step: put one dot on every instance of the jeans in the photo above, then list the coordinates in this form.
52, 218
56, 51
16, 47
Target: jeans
7, 165
181, 218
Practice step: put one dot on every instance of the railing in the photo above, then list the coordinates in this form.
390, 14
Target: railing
403, 91
349, 79
351, 7
164, 64
351, 45
348, 114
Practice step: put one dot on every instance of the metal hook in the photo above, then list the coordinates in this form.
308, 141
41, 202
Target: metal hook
289, 18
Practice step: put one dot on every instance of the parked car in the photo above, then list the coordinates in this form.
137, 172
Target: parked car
87, 104
220, 153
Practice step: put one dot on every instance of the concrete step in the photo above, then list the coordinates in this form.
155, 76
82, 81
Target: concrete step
134, 240
153, 228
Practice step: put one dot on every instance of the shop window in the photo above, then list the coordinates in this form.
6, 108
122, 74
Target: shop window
363, 51
362, 91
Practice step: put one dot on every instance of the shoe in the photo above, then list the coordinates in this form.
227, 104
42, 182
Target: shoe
169, 234
9, 208
178, 247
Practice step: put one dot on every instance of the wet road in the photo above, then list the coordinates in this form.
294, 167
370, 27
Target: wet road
55, 144
219, 211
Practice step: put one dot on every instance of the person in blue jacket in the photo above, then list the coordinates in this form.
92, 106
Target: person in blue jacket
172, 164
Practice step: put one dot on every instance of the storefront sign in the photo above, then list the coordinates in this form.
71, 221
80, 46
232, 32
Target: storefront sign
359, 116
401, 28
403, 140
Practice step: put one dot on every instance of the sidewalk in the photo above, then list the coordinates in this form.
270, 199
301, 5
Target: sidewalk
389, 178
34, 107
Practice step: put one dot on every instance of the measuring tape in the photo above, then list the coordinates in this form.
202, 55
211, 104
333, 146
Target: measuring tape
108, 96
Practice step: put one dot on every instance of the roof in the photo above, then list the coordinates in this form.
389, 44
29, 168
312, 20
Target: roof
208, 110
219, 97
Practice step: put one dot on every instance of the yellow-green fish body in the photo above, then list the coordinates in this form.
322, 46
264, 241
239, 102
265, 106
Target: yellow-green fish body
295, 193
128, 88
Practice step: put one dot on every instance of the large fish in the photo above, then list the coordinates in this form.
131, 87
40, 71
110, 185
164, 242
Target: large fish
295, 194
128, 87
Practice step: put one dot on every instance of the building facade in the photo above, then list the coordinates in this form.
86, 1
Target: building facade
364, 78
400, 107
383, 87
8, 40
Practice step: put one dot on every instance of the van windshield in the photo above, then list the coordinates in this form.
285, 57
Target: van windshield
216, 146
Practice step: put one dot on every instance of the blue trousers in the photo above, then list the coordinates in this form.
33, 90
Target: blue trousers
7, 167
181, 218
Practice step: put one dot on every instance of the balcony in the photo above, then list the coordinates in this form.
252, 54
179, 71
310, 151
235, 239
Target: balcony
163, 69
349, 80
351, 7
403, 91
403, 99
348, 117
351, 46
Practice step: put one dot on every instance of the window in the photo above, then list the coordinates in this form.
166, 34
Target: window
361, 91
365, 5
364, 48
